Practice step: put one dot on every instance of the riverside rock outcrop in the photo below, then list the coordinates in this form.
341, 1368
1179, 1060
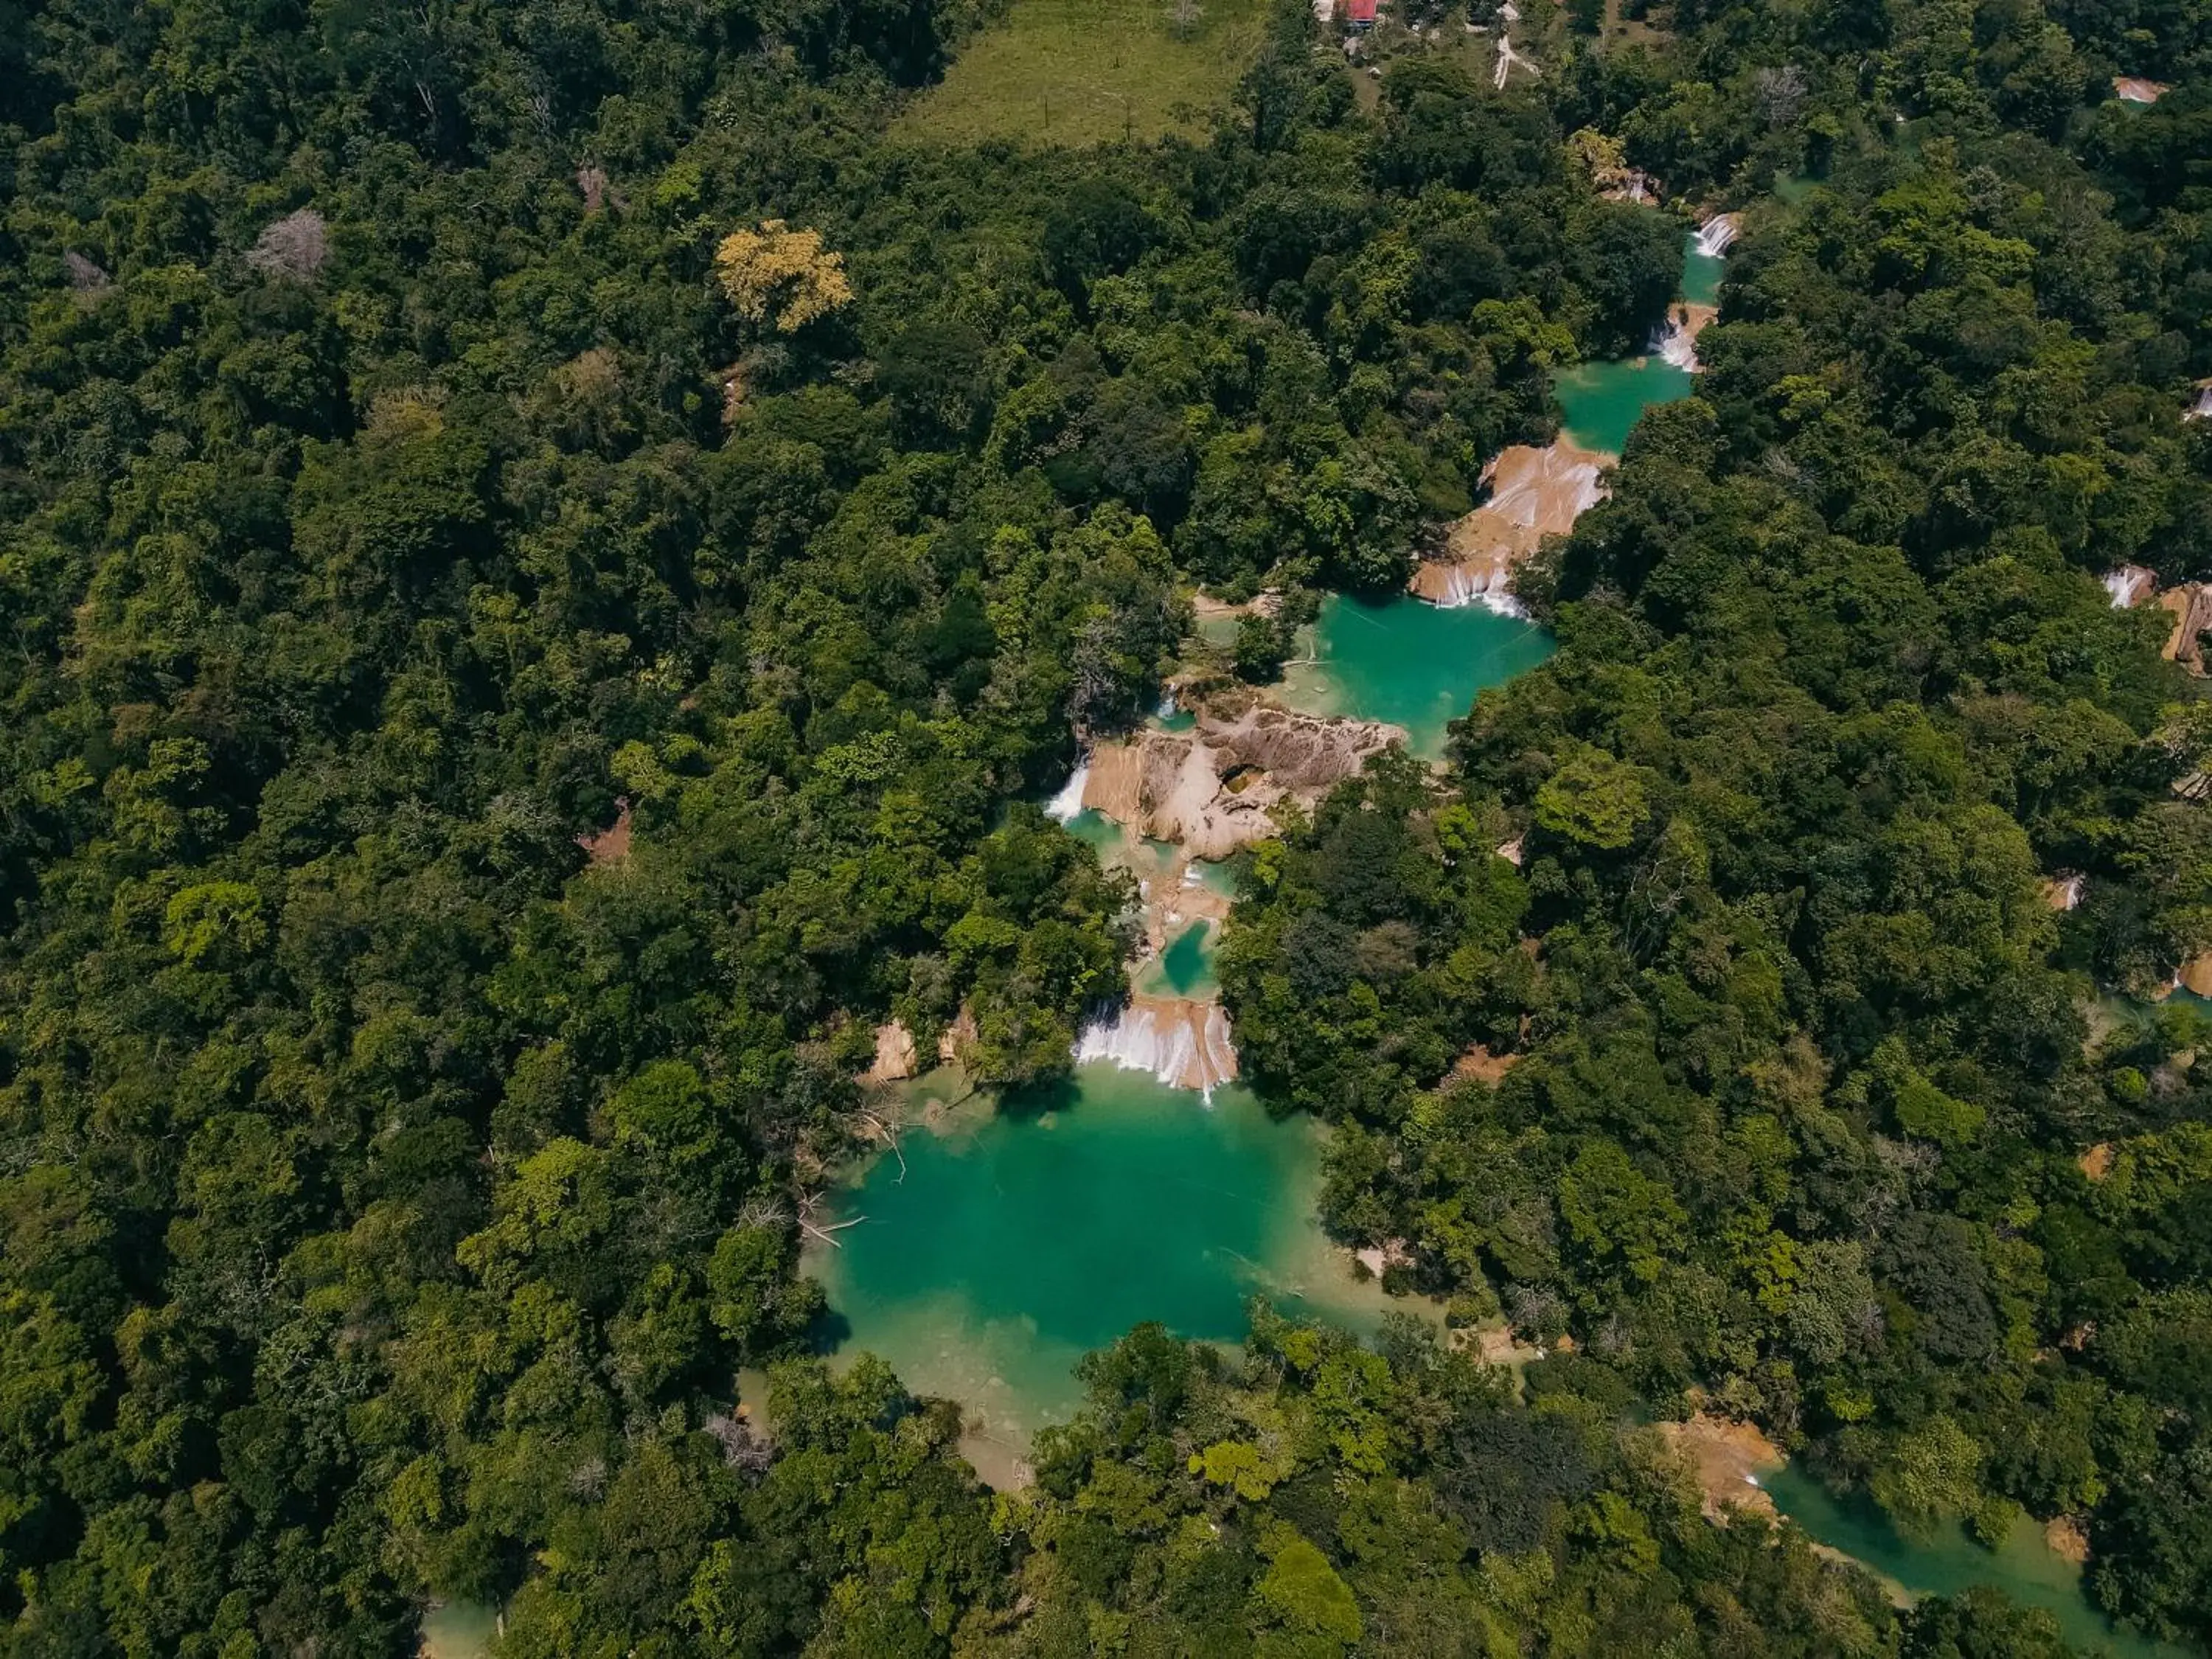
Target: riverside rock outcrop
2190, 606
1212, 789
1533, 493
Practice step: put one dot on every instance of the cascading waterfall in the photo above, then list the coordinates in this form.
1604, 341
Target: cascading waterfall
1714, 235
1065, 806
1482, 585
2128, 584
1672, 341
2201, 409
1183, 1044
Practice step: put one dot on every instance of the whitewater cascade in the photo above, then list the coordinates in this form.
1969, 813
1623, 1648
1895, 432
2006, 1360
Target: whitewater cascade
1462, 585
1184, 1044
1063, 806
2128, 584
1674, 341
1714, 235
2201, 409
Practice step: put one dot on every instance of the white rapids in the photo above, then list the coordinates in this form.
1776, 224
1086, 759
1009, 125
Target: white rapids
1674, 342
1184, 1044
1065, 806
1715, 236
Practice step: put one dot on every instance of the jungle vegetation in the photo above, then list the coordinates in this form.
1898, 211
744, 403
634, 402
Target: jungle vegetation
431, 436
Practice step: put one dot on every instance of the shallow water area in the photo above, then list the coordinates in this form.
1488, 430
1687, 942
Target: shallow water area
2025, 1567
1415, 666
1014, 1244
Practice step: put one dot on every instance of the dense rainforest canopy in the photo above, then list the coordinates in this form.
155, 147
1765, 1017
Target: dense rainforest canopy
541, 547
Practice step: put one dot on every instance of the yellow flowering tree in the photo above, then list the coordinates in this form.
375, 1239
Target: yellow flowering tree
779, 274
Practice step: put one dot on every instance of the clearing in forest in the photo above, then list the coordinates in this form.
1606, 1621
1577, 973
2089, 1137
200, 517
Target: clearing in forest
1092, 71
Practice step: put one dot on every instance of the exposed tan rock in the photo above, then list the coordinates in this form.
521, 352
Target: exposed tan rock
1204, 607
1631, 185
2190, 607
1510, 851
1533, 493
895, 1055
957, 1038
1212, 789
1729, 1458
1495, 1345
2097, 1161
2135, 89
2196, 976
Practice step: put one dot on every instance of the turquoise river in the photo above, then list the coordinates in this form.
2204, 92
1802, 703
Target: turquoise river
1010, 1238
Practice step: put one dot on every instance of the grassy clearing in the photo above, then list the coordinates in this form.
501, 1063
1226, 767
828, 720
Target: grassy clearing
1090, 71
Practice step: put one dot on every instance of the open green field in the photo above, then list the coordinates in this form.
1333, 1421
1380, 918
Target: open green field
1090, 71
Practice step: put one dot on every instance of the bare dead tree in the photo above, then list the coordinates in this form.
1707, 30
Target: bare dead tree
1780, 92
293, 246
826, 1234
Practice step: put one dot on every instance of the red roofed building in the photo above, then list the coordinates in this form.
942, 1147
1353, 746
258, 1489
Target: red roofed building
1362, 14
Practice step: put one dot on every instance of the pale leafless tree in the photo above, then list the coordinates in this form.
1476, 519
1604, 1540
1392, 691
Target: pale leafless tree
1780, 92
294, 247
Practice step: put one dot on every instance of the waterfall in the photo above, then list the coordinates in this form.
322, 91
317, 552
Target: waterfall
1169, 708
2201, 409
1672, 341
1183, 1044
2128, 584
1714, 235
1478, 584
1064, 806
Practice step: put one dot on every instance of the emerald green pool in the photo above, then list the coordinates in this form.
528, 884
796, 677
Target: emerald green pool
2025, 1567
1603, 401
1018, 1241
1413, 664
1701, 276
1186, 967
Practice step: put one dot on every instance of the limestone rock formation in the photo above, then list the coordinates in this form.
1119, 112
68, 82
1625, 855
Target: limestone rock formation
1184, 1043
1533, 493
1212, 788
895, 1055
2190, 606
